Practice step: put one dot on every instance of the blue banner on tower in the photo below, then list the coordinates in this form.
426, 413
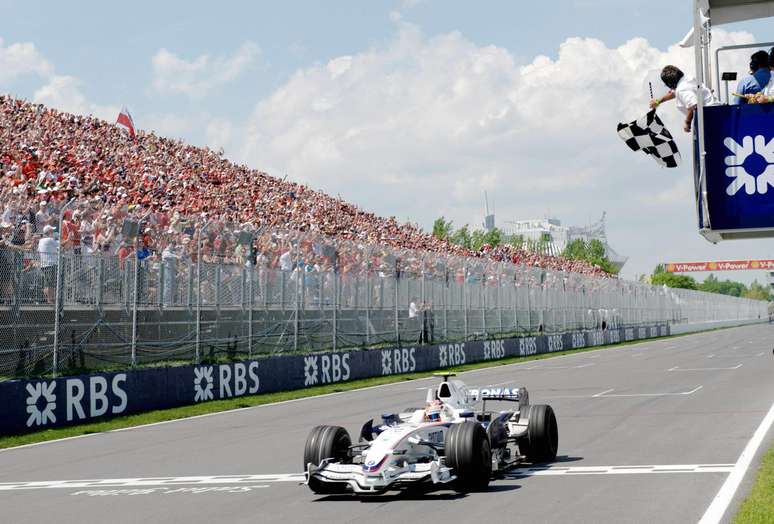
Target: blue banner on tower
739, 141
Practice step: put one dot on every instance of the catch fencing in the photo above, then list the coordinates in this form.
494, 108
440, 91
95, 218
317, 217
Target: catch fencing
196, 291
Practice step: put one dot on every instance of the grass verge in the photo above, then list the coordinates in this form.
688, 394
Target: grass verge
218, 406
758, 507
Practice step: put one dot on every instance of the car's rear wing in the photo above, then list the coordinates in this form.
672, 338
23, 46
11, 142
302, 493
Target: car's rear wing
491, 393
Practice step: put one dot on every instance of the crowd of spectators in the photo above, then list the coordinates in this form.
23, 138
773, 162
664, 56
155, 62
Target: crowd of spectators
158, 197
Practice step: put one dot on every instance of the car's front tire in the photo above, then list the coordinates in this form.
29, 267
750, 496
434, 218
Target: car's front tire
326, 442
469, 455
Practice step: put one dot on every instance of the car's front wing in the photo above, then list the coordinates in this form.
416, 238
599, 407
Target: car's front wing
362, 482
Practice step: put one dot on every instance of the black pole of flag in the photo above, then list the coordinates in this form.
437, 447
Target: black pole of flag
650, 86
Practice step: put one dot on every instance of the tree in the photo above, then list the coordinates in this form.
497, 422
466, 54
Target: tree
493, 237
596, 250
461, 237
477, 239
575, 250
673, 280
466, 238
724, 287
592, 252
442, 228
757, 291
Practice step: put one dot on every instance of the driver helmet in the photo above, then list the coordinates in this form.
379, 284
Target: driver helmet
433, 411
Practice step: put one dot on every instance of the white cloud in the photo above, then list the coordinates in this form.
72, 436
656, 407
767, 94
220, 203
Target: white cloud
19, 59
196, 78
421, 126
219, 133
172, 125
64, 93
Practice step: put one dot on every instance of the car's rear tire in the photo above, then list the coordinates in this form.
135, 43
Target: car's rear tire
469, 455
542, 440
326, 442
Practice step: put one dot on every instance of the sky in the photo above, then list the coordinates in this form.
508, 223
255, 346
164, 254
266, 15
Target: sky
407, 108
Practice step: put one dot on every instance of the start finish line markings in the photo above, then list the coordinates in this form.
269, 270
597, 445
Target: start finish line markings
251, 480
166, 491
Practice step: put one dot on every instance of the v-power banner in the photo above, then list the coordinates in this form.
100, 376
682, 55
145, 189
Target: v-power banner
30, 405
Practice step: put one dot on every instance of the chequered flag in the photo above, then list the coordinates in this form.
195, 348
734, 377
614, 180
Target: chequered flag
649, 135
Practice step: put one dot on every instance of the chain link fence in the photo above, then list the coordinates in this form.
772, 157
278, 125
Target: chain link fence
193, 291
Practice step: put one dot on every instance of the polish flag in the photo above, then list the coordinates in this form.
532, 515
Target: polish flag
125, 121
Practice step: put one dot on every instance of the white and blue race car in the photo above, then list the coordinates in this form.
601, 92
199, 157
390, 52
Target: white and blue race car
448, 441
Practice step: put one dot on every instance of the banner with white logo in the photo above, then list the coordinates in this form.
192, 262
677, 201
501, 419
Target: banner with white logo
30, 405
740, 166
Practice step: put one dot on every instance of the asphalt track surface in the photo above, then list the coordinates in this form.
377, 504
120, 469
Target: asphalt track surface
681, 411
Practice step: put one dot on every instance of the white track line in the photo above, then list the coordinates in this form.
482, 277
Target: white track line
580, 366
603, 392
623, 470
607, 394
299, 477
146, 482
677, 368
720, 503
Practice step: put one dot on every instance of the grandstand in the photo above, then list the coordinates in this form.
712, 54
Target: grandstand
48, 157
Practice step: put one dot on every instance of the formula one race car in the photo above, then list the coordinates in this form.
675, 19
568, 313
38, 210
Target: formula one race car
446, 442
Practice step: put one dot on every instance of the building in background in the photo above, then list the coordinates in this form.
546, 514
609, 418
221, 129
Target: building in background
554, 237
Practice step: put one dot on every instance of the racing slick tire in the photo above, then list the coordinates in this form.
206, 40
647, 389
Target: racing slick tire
326, 442
469, 455
542, 440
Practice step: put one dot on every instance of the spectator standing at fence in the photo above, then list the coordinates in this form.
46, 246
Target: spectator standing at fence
42, 216
757, 80
143, 253
71, 234
48, 248
286, 261
413, 310
428, 324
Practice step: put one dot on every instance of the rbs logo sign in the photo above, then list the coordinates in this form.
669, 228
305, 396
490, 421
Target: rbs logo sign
104, 397
750, 164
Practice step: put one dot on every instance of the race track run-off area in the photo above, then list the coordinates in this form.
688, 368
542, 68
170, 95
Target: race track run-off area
661, 431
